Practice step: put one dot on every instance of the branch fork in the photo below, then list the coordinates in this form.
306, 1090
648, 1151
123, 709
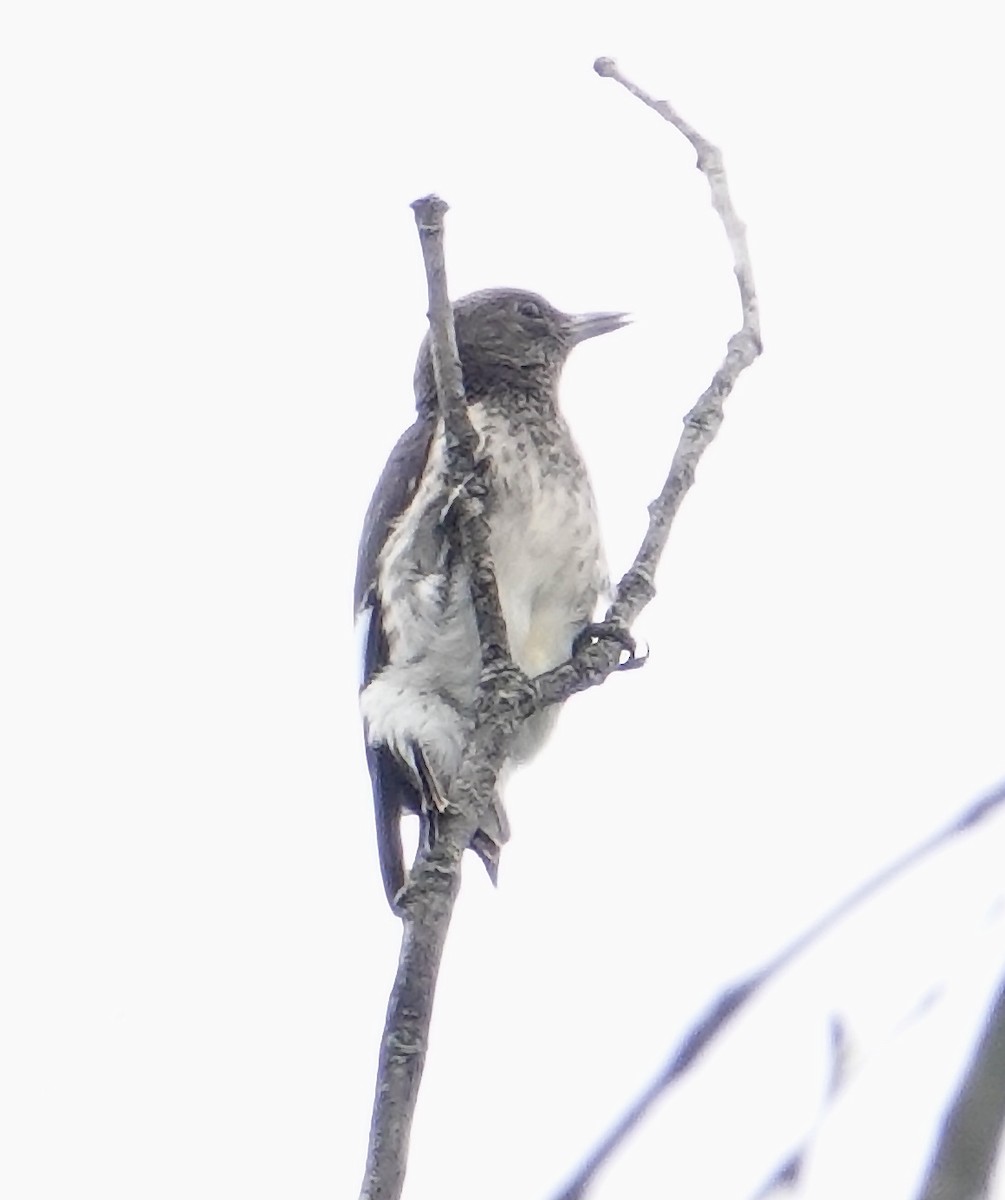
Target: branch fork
506, 696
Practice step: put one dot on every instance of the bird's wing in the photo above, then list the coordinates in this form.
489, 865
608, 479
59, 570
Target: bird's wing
392, 495
394, 787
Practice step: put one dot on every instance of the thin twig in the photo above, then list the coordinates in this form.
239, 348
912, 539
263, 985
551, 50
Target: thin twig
594, 663
786, 1178
461, 441
723, 1011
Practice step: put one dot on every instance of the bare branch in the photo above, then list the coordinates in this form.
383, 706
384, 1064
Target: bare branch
461, 439
710, 165
788, 1175
505, 696
722, 1012
971, 1133
637, 587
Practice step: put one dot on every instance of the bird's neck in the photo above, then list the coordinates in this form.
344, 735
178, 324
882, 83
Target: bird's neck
518, 395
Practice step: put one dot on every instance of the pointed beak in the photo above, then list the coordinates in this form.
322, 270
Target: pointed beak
589, 325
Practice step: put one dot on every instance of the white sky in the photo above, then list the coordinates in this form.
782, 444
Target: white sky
212, 296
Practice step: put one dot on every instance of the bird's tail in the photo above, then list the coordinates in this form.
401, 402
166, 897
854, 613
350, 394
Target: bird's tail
397, 790
392, 791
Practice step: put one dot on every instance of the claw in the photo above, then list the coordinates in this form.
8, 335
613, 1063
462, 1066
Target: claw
612, 631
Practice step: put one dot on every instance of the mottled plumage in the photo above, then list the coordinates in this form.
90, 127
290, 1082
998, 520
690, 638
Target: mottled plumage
421, 656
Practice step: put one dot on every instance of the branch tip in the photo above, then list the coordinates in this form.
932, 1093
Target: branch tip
429, 211
605, 67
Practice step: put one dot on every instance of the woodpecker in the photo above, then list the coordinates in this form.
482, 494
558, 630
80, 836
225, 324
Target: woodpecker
420, 648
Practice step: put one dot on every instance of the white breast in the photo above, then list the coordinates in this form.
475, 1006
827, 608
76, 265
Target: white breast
545, 546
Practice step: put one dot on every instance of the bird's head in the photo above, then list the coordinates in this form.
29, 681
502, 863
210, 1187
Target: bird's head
510, 338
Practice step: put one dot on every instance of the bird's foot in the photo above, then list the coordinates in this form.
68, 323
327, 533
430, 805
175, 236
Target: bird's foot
612, 631
507, 688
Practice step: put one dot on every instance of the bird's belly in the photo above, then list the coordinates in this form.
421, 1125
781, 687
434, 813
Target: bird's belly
546, 553
546, 641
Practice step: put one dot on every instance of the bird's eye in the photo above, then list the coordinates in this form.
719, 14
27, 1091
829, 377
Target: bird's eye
528, 308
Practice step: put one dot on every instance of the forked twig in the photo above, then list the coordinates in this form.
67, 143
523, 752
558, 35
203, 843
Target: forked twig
506, 697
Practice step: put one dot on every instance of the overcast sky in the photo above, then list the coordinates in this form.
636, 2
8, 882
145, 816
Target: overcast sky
212, 297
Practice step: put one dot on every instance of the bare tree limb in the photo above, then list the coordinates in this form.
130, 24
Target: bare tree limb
971, 1133
722, 1012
